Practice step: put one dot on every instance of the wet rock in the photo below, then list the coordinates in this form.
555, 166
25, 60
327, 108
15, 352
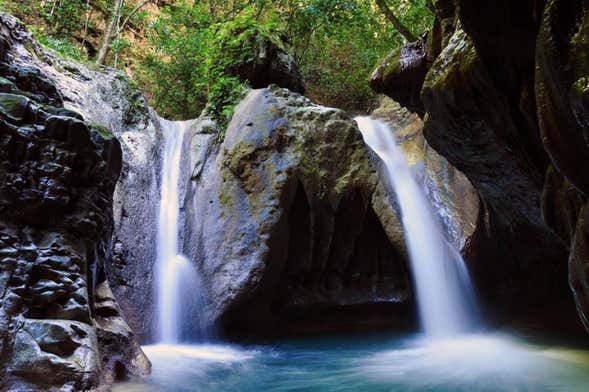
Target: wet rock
13, 106
561, 203
501, 106
578, 262
287, 237
57, 177
562, 90
401, 73
455, 200
50, 354
113, 332
113, 108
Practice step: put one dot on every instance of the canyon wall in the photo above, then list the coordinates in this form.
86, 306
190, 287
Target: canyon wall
60, 325
502, 86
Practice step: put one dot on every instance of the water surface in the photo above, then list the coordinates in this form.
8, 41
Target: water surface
484, 362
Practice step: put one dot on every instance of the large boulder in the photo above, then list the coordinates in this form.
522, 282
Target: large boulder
401, 73
292, 228
57, 178
263, 60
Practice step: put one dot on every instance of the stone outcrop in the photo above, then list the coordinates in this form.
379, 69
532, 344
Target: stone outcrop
508, 108
60, 326
401, 73
455, 200
109, 99
267, 63
292, 228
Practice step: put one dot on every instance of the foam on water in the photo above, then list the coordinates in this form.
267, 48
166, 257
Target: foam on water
491, 362
205, 352
481, 362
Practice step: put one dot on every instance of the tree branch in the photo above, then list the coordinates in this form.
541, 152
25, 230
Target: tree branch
399, 26
130, 15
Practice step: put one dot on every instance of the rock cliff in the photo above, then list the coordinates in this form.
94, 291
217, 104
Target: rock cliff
60, 326
507, 106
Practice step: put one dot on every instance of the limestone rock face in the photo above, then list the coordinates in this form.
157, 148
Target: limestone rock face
562, 96
292, 229
57, 177
579, 262
502, 105
453, 197
562, 89
109, 99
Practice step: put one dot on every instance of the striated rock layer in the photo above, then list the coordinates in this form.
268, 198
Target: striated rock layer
60, 325
109, 99
508, 107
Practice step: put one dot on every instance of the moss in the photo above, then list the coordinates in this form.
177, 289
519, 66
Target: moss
134, 106
581, 86
580, 47
103, 131
391, 63
388, 65
225, 199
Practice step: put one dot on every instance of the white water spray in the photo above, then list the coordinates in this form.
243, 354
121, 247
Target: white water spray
444, 293
173, 269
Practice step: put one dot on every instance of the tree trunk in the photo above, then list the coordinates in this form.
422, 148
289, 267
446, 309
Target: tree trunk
110, 32
86, 24
399, 26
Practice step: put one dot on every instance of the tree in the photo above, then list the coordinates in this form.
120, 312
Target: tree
399, 26
116, 27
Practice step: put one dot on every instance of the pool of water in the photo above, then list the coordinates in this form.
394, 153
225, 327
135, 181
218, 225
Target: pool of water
483, 362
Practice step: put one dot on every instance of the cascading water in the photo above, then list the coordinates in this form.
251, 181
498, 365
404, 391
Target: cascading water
444, 293
367, 363
173, 269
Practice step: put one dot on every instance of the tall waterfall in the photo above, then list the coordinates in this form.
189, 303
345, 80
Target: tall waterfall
173, 270
444, 293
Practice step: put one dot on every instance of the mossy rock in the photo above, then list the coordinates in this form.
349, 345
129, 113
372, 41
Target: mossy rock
6, 86
14, 106
101, 130
61, 112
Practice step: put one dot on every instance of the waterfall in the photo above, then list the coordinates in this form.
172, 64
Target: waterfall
444, 293
173, 270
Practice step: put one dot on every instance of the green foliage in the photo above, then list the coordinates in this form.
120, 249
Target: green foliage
120, 44
336, 44
175, 69
62, 46
64, 16
187, 69
224, 94
186, 49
